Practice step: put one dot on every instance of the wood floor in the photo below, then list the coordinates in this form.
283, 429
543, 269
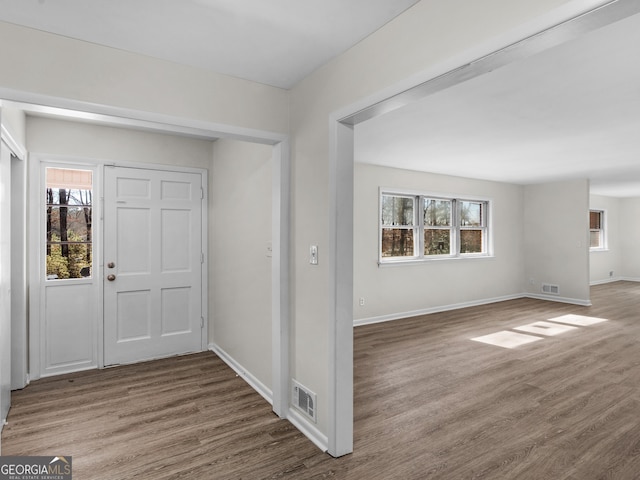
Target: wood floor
429, 404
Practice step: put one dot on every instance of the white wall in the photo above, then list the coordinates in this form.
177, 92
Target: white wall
87, 141
394, 291
240, 233
43, 64
556, 233
602, 262
630, 238
14, 120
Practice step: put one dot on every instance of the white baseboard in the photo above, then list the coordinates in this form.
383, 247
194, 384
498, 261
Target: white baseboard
256, 384
296, 419
555, 298
630, 279
605, 280
427, 311
615, 279
308, 430
475, 303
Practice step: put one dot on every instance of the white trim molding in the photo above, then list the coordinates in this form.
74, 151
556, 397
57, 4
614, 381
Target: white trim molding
310, 431
553, 298
475, 303
430, 310
17, 149
243, 373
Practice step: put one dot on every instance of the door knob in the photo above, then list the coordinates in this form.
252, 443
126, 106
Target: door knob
111, 277
111, 265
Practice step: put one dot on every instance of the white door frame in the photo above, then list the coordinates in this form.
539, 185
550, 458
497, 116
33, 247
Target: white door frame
19, 360
559, 26
5, 282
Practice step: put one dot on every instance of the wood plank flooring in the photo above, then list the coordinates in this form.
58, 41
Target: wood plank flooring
429, 404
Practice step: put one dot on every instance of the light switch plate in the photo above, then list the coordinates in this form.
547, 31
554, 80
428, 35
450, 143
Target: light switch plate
313, 255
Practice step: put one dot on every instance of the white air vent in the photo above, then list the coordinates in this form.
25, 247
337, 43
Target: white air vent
304, 400
550, 289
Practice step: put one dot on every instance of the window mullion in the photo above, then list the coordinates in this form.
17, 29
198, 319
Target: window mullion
420, 225
455, 228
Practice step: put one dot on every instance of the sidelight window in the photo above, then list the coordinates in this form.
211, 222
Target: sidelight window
69, 245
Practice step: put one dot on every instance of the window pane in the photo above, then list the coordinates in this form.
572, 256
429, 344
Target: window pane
397, 210
471, 241
437, 213
471, 214
437, 242
77, 228
595, 238
69, 223
397, 242
595, 220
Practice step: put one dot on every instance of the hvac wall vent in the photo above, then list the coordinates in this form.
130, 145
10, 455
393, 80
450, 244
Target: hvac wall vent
550, 289
304, 400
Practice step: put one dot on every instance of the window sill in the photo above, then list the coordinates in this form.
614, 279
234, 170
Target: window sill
423, 261
594, 250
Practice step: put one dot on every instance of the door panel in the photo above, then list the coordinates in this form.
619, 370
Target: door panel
133, 315
152, 293
134, 259
69, 333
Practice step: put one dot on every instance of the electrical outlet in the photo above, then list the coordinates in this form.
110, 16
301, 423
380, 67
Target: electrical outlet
362, 301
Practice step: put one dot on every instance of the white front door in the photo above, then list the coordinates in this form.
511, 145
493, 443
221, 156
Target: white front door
153, 260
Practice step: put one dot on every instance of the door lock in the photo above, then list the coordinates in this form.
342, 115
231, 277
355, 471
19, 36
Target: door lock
111, 277
111, 265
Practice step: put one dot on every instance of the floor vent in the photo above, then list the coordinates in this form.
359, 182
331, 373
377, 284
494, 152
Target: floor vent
550, 289
304, 400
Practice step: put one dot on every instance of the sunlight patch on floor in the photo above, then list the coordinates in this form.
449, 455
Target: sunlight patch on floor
579, 320
507, 339
547, 329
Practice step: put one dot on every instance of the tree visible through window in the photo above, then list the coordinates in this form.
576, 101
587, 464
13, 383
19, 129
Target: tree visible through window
444, 227
437, 226
398, 222
69, 199
596, 229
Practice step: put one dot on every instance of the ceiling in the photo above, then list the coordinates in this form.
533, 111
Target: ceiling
567, 113
570, 112
275, 42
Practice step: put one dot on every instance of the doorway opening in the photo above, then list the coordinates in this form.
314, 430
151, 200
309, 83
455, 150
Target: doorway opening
343, 124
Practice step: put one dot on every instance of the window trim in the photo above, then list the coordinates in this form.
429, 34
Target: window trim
419, 227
